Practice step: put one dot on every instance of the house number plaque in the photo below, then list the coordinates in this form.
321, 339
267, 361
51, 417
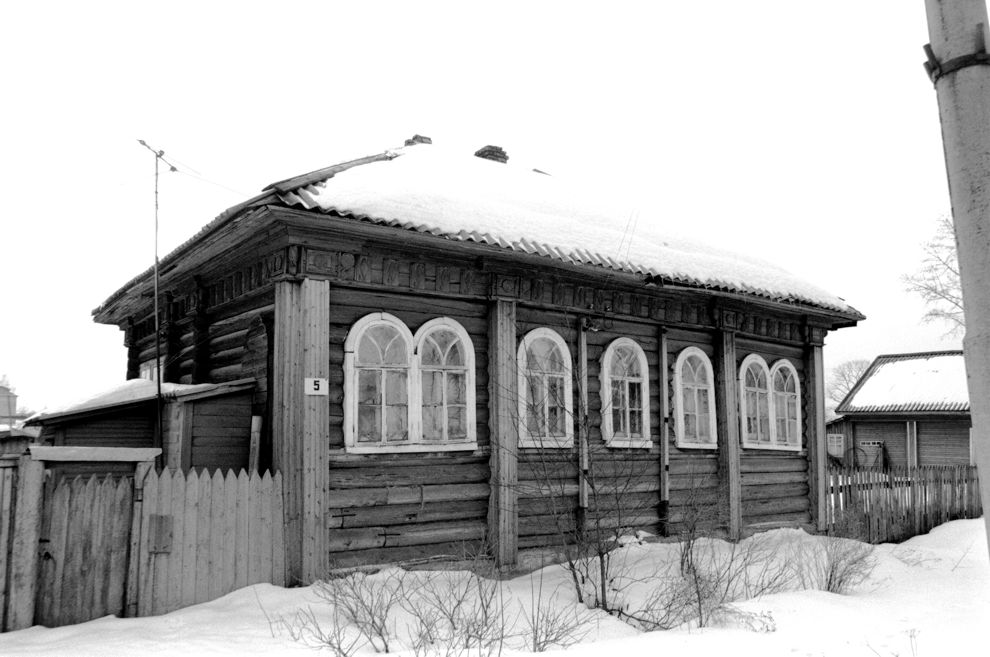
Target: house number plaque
317, 387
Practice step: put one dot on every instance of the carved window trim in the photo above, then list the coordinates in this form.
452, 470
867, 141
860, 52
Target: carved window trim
680, 388
564, 378
414, 442
609, 432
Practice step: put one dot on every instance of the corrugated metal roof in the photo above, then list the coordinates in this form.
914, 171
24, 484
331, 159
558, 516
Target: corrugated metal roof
465, 198
927, 382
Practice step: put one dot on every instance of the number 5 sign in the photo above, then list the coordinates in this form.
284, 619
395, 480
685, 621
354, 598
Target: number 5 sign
318, 387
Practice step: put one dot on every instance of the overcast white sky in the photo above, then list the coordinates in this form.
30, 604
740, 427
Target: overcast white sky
803, 132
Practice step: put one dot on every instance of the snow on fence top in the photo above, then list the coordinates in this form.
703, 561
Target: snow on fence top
931, 381
461, 197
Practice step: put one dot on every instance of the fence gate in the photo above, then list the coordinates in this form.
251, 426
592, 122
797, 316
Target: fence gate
85, 536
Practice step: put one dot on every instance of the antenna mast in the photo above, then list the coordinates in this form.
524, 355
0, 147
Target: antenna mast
159, 157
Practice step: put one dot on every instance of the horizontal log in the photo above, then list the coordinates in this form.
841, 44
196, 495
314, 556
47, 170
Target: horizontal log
391, 475
774, 506
698, 465
361, 497
695, 497
452, 551
767, 478
775, 491
546, 506
692, 482
780, 519
773, 464
399, 514
344, 460
229, 373
241, 419
404, 535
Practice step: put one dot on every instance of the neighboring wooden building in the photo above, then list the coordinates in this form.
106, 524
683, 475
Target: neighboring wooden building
906, 409
204, 427
450, 350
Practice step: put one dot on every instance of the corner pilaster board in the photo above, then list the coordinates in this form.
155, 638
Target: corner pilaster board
503, 511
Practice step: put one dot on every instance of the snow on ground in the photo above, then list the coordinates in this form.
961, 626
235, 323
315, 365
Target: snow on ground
926, 597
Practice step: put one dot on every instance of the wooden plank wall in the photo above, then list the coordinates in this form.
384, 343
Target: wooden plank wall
894, 438
205, 536
85, 533
221, 432
943, 442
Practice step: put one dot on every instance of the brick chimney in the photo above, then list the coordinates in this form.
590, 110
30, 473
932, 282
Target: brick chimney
418, 139
494, 153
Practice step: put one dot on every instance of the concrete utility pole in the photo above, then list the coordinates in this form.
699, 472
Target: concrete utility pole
959, 67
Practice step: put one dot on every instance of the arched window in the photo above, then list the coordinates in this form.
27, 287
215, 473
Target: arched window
545, 390
786, 403
377, 357
625, 395
694, 400
754, 402
404, 393
445, 356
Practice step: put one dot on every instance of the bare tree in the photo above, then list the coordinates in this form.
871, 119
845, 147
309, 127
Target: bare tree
937, 280
843, 377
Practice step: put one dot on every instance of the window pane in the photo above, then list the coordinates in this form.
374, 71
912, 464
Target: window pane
635, 396
764, 414
691, 427
456, 388
455, 357
396, 390
432, 423
429, 354
556, 415
704, 434
369, 424
535, 398
690, 400
369, 391
689, 371
456, 423
432, 387
396, 429
395, 352
369, 352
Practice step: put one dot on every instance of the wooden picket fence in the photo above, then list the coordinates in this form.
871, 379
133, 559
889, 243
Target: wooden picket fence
207, 536
80, 548
894, 504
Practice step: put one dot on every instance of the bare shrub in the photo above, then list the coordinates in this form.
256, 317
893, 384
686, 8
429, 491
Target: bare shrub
548, 625
834, 564
306, 628
456, 615
366, 602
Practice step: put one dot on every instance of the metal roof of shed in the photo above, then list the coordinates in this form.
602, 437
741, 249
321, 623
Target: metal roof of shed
927, 382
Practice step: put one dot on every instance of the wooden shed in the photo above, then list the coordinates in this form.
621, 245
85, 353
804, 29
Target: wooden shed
453, 351
203, 427
907, 410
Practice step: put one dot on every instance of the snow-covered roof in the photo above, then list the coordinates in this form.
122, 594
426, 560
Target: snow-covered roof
458, 196
131, 392
900, 383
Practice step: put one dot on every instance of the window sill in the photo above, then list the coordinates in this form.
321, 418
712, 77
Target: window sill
411, 448
644, 443
708, 446
552, 443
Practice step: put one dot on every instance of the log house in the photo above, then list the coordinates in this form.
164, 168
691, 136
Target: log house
450, 354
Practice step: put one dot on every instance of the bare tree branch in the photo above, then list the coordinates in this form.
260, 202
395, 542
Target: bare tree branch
937, 280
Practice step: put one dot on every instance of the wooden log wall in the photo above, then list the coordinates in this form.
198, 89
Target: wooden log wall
401, 507
221, 432
395, 507
694, 473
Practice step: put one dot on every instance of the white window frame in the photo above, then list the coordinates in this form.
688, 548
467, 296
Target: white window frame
605, 375
781, 443
525, 438
446, 323
777, 443
414, 387
748, 362
833, 438
681, 442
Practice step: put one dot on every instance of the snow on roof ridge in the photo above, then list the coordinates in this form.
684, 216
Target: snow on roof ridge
913, 382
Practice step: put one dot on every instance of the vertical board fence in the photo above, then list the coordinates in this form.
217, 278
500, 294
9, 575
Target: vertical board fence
8, 473
894, 504
203, 537
107, 546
